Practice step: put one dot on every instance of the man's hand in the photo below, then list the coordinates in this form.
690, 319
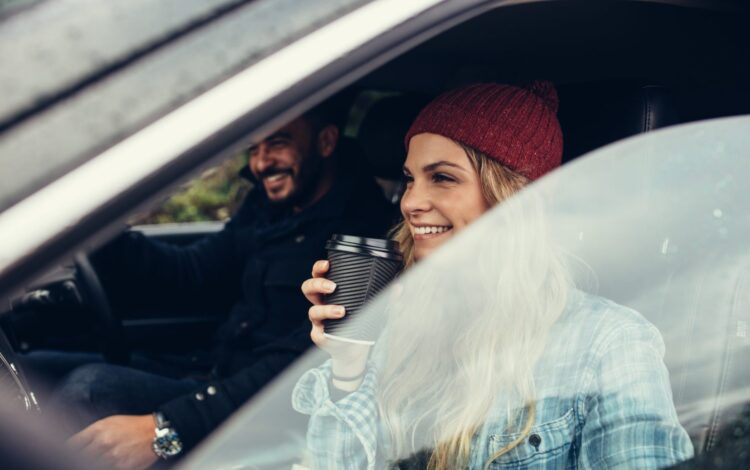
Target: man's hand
122, 442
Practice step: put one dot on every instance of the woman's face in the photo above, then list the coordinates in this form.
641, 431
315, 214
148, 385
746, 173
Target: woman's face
443, 193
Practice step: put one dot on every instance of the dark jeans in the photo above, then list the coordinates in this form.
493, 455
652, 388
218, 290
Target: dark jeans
82, 388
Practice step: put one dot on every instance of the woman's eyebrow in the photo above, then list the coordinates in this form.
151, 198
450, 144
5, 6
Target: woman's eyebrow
436, 165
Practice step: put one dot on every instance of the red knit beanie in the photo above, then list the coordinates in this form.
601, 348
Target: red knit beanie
518, 127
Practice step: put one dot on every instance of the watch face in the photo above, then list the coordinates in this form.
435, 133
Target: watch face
167, 445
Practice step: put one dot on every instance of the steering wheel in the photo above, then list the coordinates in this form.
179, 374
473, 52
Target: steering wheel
114, 347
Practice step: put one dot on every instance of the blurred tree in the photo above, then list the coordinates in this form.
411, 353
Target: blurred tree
213, 196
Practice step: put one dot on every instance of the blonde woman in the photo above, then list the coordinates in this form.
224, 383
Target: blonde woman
520, 370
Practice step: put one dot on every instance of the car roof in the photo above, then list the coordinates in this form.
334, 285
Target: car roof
691, 49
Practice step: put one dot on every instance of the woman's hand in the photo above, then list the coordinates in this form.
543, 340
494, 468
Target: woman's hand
348, 359
314, 289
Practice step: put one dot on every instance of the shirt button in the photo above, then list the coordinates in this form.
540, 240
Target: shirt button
244, 325
199, 396
535, 440
300, 239
211, 390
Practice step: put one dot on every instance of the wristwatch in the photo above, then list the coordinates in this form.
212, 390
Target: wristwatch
166, 443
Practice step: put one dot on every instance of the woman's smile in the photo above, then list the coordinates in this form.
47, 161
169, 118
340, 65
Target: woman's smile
427, 232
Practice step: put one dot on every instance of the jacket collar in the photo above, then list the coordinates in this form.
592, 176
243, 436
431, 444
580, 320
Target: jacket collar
272, 221
333, 204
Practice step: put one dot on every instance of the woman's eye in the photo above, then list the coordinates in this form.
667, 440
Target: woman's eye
408, 179
442, 178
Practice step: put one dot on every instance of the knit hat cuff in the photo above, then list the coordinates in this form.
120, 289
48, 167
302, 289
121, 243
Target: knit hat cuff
499, 142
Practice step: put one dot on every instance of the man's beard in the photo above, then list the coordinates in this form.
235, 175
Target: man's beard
305, 182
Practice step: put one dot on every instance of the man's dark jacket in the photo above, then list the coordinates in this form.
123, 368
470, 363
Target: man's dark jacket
259, 260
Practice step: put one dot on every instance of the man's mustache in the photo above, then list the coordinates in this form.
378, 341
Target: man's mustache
273, 171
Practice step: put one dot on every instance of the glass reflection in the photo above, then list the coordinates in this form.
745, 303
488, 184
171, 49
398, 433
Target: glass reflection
605, 222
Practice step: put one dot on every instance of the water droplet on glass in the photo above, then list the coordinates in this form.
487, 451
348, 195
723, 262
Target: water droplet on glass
665, 246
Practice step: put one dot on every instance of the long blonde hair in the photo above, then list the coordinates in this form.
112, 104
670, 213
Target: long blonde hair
458, 351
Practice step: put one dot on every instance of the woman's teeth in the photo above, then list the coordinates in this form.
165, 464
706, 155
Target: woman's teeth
433, 229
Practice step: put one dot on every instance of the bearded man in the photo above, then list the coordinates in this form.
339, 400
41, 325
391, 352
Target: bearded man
305, 191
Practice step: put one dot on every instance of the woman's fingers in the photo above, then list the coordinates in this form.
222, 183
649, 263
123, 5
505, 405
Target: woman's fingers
315, 288
316, 334
320, 268
318, 286
318, 313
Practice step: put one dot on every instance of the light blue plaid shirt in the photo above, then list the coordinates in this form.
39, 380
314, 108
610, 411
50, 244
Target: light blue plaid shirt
604, 402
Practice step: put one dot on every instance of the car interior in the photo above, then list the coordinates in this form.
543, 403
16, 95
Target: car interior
621, 69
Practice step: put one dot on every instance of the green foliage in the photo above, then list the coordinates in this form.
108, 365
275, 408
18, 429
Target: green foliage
214, 195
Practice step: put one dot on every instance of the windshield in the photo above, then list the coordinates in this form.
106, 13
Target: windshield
604, 298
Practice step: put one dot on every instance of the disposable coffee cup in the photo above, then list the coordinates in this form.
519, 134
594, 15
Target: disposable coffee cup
360, 267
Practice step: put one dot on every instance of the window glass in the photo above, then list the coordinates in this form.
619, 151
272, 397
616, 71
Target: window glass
604, 307
213, 196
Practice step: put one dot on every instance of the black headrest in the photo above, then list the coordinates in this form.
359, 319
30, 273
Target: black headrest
381, 133
595, 114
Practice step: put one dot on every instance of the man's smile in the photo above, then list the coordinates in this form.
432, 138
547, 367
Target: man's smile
276, 179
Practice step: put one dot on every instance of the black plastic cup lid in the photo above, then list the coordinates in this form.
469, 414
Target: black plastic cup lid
388, 249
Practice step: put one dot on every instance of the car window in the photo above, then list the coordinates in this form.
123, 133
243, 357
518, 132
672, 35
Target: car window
213, 196
649, 238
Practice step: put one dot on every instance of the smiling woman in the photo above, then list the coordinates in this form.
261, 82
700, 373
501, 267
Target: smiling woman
463, 387
446, 190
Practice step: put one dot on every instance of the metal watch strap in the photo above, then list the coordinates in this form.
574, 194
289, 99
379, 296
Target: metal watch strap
160, 420
166, 443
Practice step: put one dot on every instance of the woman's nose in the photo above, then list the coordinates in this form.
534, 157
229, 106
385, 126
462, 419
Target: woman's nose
415, 199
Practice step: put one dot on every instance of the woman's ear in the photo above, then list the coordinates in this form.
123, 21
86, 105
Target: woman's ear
328, 138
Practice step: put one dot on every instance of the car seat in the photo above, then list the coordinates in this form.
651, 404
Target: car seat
596, 114
381, 138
